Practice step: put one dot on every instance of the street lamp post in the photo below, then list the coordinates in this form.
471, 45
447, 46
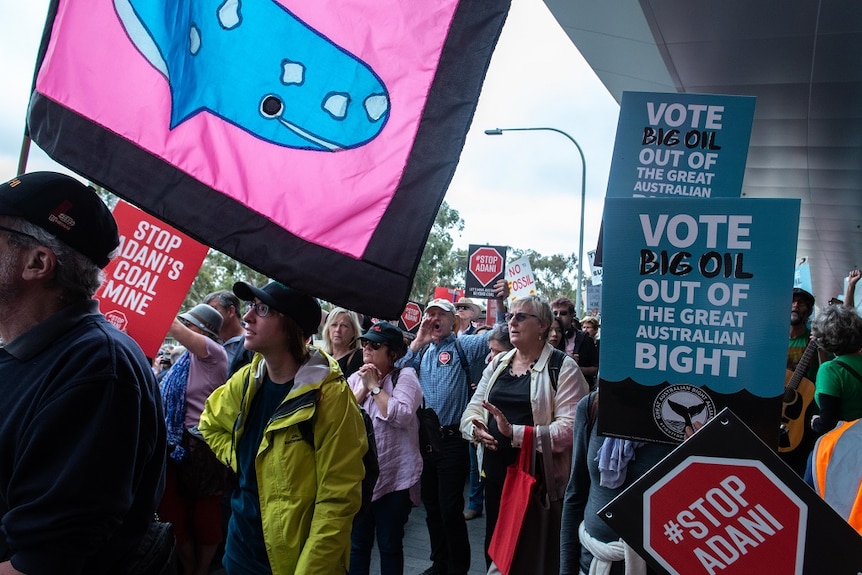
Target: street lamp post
499, 132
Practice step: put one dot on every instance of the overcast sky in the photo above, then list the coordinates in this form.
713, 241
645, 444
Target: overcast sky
519, 189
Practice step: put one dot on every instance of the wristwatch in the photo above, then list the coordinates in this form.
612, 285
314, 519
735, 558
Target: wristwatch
376, 390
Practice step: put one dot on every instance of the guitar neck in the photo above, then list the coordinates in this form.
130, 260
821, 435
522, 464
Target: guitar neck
799, 372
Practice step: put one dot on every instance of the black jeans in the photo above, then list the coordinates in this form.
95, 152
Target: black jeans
386, 519
443, 478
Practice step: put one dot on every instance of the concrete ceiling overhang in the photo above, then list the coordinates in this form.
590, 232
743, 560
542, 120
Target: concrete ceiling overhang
802, 59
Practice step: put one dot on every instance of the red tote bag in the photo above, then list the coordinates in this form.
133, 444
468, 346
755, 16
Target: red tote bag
517, 491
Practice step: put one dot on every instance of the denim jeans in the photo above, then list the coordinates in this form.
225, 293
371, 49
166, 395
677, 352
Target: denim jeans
386, 518
443, 478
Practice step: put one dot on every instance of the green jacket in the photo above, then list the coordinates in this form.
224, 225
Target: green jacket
308, 496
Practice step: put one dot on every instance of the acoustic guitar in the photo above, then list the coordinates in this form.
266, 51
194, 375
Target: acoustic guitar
798, 395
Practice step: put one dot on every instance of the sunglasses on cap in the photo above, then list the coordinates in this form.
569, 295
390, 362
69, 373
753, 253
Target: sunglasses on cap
375, 345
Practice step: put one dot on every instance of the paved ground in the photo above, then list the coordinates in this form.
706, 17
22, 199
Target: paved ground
417, 547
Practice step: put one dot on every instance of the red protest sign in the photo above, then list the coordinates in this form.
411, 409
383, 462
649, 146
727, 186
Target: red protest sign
485, 265
450, 294
711, 515
149, 279
411, 317
723, 503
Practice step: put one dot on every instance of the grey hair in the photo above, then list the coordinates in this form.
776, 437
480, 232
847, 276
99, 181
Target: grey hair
76, 276
226, 299
838, 330
500, 333
538, 306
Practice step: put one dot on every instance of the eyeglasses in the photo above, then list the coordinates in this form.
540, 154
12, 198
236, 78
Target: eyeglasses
260, 309
11, 231
461, 307
519, 317
375, 345
562, 312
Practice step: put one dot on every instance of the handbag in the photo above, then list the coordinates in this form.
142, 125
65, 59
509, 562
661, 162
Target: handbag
514, 500
154, 553
200, 474
430, 436
526, 539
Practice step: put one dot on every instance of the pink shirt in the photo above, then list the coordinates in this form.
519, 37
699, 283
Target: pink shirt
397, 435
205, 375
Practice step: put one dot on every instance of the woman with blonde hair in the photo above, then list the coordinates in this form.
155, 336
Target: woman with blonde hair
341, 339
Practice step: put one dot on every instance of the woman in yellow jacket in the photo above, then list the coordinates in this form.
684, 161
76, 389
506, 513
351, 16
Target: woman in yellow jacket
289, 426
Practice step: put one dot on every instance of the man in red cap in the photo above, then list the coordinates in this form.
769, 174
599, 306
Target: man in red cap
82, 435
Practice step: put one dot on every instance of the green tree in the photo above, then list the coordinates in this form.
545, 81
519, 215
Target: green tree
219, 271
440, 265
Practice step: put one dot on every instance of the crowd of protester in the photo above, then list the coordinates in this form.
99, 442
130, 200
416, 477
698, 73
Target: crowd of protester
254, 443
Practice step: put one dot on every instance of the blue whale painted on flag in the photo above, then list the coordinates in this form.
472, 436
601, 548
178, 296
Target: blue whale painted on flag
257, 66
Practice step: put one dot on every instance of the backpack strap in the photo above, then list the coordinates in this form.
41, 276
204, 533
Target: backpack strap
306, 427
462, 357
848, 368
421, 355
592, 408
554, 365
395, 373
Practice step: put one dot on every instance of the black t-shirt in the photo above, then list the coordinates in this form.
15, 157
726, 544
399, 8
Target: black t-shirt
511, 395
245, 552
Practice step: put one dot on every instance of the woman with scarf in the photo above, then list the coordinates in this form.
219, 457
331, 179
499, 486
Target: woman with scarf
518, 390
602, 467
193, 483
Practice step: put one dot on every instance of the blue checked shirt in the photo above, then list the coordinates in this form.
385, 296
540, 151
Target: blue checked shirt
443, 380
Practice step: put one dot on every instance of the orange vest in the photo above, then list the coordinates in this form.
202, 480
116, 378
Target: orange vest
837, 470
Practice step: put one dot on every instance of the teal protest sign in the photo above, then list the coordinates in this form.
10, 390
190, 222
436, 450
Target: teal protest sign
686, 145
699, 314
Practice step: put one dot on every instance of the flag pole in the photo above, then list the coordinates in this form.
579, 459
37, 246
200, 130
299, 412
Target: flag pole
25, 153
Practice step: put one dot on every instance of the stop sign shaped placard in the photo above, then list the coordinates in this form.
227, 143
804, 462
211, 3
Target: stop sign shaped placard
411, 316
717, 515
485, 264
117, 318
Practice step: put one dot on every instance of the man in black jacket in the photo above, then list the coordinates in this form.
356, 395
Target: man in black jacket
579, 344
82, 435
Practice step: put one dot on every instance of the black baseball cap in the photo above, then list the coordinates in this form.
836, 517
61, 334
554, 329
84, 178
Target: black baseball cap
804, 296
385, 332
301, 308
65, 208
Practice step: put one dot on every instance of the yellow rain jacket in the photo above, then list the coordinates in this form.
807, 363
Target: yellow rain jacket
308, 495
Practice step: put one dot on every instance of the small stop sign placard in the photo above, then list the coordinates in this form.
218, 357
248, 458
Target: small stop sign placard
117, 318
411, 316
719, 515
485, 264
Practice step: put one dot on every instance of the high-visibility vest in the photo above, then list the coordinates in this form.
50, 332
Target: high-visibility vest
837, 470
